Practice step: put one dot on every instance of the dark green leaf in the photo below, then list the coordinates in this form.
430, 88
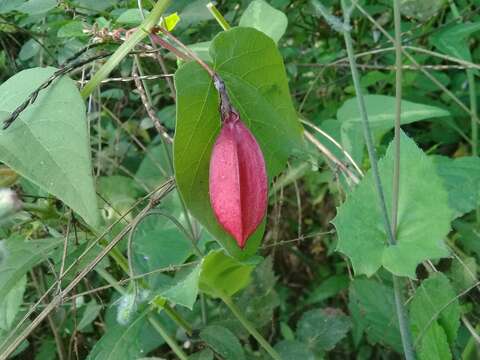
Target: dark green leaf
223, 341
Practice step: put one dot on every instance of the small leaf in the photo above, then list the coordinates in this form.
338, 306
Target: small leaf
11, 303
294, 350
461, 177
223, 342
435, 317
423, 216
18, 256
372, 306
42, 142
223, 275
131, 17
184, 291
322, 329
262, 16
453, 40
89, 314
421, 10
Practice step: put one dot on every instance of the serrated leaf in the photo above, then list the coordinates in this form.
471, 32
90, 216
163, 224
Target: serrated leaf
381, 116
423, 216
18, 256
48, 144
453, 40
435, 317
322, 329
223, 275
252, 68
372, 307
461, 177
264, 17
223, 341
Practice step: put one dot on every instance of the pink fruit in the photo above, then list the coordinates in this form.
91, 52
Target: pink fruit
238, 180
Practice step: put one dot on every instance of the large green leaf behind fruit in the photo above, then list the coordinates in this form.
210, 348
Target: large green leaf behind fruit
252, 68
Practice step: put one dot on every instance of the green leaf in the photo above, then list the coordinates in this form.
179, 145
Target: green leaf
422, 10
205, 354
90, 313
71, 29
48, 144
37, 7
29, 50
461, 177
11, 303
153, 169
223, 342
328, 288
126, 342
131, 17
372, 307
18, 256
381, 116
453, 40
252, 68
262, 16
223, 275
435, 317
293, 350
423, 216
185, 290
322, 329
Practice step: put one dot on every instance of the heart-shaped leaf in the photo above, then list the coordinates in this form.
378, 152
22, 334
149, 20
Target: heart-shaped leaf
252, 68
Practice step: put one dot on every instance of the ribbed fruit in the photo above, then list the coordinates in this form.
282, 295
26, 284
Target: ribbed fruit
238, 180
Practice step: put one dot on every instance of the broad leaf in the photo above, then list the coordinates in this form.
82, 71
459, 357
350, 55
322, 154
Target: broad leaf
223, 275
461, 177
262, 16
223, 342
422, 10
18, 256
423, 216
453, 40
322, 329
381, 116
435, 317
294, 350
129, 341
252, 68
37, 7
48, 144
372, 306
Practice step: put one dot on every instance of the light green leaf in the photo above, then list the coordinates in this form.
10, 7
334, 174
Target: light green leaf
381, 116
131, 17
223, 275
223, 342
294, 350
421, 9
435, 317
461, 177
423, 216
453, 40
153, 169
262, 16
253, 70
18, 256
9, 5
322, 329
48, 144
129, 341
11, 303
29, 50
184, 291
90, 313
372, 307
71, 29
37, 7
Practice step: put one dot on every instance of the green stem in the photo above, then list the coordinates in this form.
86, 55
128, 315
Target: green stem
250, 328
168, 339
142, 31
218, 16
473, 108
399, 304
175, 316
